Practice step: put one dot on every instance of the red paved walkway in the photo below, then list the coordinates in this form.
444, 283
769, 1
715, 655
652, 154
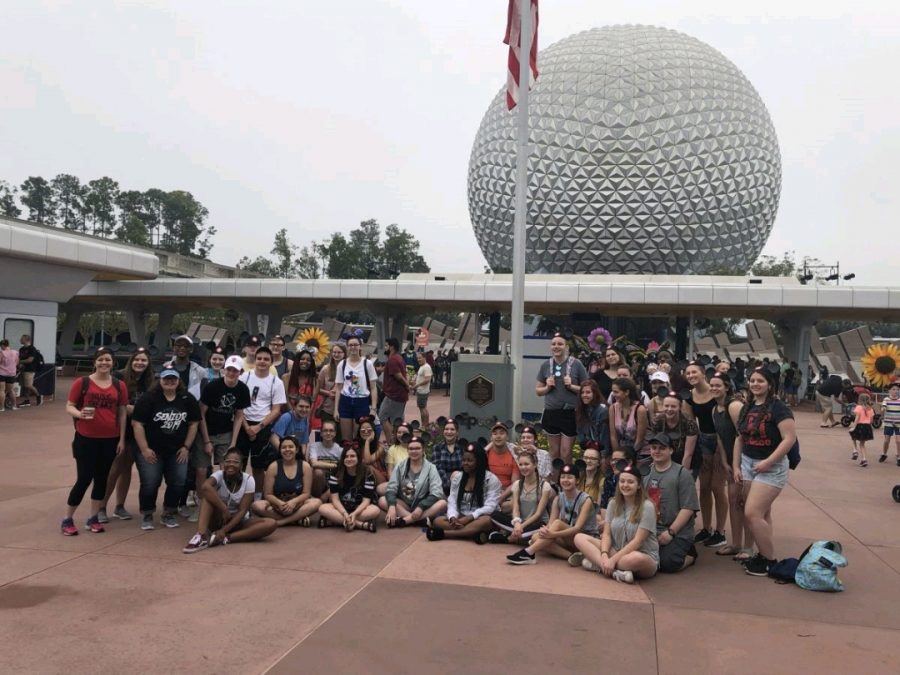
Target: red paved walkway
326, 601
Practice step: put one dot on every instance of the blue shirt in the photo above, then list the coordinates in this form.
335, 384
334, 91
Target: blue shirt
291, 425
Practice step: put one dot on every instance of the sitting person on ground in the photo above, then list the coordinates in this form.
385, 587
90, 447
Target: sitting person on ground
446, 454
267, 398
474, 496
671, 488
531, 497
611, 480
501, 461
593, 479
572, 512
225, 499
527, 440
287, 488
351, 488
414, 491
628, 548
165, 423
324, 457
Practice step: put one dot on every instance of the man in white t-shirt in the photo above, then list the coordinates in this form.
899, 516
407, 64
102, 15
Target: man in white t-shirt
324, 456
266, 402
423, 386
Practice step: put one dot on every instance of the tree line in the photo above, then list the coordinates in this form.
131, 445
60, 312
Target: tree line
170, 220
363, 254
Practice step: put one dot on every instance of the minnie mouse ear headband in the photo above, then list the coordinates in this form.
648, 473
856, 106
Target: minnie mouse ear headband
635, 469
358, 333
574, 469
523, 427
423, 438
366, 418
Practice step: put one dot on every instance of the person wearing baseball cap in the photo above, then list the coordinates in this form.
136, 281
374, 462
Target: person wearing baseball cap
222, 406
501, 461
671, 488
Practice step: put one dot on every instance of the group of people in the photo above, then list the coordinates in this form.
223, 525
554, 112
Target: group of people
18, 368
242, 431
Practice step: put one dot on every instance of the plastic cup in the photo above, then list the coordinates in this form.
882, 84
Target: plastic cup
88, 412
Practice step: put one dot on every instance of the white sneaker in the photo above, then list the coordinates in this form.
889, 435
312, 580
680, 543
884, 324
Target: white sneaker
625, 576
588, 565
191, 499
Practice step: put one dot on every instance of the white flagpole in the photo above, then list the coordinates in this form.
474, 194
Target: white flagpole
518, 261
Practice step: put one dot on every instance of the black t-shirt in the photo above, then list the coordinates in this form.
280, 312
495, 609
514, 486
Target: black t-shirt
27, 352
166, 422
348, 492
758, 427
222, 402
831, 386
604, 383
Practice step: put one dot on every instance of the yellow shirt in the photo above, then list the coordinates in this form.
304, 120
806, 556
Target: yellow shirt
395, 454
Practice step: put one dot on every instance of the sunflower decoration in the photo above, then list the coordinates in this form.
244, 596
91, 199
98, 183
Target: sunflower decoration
314, 340
880, 362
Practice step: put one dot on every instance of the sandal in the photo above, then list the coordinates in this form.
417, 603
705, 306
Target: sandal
743, 556
304, 522
728, 550
368, 526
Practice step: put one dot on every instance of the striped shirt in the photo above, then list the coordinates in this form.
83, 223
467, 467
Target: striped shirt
891, 410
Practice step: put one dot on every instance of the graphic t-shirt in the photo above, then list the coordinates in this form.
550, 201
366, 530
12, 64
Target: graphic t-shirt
266, 393
105, 403
246, 486
166, 422
222, 402
670, 491
353, 379
350, 495
758, 427
318, 452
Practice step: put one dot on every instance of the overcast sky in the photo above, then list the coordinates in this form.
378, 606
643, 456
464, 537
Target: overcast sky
316, 115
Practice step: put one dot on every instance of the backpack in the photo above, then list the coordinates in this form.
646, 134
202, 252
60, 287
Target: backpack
784, 571
38, 362
819, 565
85, 385
793, 454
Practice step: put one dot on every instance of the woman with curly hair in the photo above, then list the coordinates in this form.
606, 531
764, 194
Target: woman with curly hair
474, 495
627, 416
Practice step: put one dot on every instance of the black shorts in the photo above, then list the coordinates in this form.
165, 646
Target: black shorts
556, 422
258, 450
8, 379
672, 555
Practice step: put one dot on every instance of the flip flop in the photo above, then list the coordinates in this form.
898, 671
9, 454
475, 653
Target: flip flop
728, 550
743, 556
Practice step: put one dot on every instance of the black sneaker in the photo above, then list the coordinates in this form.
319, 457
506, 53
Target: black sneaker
39, 400
434, 534
758, 566
25, 404
715, 540
522, 557
702, 536
498, 538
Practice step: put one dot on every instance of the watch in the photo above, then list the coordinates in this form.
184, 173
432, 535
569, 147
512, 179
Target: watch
670, 531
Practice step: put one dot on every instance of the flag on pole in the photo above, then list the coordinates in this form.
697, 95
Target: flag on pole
514, 40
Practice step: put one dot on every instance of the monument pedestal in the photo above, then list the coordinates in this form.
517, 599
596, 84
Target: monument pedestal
481, 390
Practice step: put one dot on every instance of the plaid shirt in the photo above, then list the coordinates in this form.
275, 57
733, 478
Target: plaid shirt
447, 462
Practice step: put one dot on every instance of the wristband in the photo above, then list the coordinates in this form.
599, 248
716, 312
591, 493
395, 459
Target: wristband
516, 521
670, 531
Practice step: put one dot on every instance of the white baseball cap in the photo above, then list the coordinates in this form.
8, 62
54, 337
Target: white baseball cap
234, 361
660, 376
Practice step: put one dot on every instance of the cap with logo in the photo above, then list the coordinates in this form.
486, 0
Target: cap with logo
235, 362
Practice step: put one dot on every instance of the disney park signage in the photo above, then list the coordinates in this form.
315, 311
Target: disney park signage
480, 390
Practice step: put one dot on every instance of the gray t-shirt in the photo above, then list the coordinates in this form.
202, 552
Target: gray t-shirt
623, 530
671, 491
561, 397
318, 452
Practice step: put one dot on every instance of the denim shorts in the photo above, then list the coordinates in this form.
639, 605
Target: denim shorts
351, 408
777, 476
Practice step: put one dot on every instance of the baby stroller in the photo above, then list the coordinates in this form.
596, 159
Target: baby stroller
847, 416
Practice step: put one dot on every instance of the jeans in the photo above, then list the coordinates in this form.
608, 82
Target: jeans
151, 476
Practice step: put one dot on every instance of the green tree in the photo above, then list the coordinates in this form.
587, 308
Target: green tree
285, 252
134, 218
100, 204
184, 224
69, 195
8, 205
363, 255
400, 252
343, 260
260, 265
38, 198
133, 231
306, 264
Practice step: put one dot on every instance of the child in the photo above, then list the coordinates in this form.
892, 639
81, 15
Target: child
890, 407
861, 429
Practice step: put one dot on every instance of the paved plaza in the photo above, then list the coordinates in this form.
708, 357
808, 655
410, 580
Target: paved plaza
128, 601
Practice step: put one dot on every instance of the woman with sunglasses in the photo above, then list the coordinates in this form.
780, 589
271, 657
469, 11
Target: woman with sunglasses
572, 512
352, 490
628, 548
474, 496
414, 491
99, 411
138, 378
287, 487
373, 451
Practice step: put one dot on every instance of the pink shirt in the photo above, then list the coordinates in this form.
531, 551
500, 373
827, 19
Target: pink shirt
9, 359
864, 416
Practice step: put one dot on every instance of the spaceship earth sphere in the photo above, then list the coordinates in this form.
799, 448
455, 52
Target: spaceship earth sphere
651, 153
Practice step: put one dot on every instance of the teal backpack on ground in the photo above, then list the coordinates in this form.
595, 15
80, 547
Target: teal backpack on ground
819, 565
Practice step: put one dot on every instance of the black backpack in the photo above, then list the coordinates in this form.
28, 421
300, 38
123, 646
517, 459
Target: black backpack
38, 362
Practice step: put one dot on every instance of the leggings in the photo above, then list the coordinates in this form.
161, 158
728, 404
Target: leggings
93, 458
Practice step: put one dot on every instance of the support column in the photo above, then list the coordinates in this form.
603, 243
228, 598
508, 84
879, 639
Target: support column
163, 330
251, 319
137, 326
681, 328
66, 345
493, 334
796, 334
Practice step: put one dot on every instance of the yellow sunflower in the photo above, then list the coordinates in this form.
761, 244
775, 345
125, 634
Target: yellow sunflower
315, 340
880, 362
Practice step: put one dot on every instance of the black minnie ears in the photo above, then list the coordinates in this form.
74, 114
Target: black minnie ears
424, 437
359, 333
465, 420
574, 469
638, 470
366, 418
565, 334
522, 427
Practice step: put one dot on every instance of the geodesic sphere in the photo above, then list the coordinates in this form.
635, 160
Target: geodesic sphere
651, 152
